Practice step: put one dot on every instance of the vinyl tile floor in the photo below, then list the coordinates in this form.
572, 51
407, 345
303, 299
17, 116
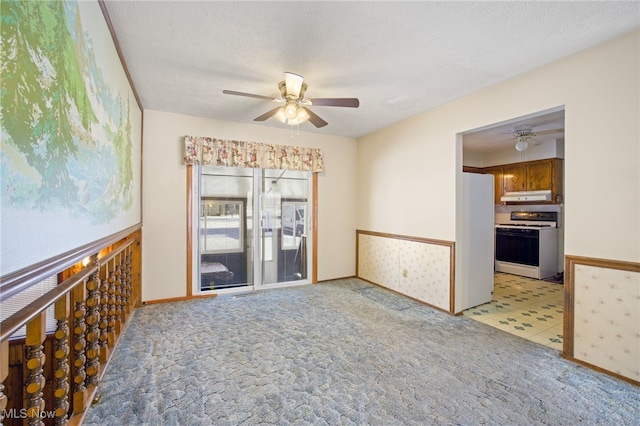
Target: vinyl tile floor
530, 308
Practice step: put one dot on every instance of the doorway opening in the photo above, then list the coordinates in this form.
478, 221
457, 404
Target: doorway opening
514, 152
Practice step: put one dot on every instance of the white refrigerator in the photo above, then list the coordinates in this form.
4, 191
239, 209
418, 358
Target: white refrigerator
475, 242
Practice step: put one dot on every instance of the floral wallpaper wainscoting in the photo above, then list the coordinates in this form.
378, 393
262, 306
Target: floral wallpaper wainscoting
378, 260
607, 312
415, 268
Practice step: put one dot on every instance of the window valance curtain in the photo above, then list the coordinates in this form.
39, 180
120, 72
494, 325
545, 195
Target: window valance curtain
230, 153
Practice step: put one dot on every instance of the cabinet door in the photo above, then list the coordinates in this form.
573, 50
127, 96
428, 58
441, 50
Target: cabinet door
514, 177
540, 176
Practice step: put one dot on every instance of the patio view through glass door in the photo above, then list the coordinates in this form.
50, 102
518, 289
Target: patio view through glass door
246, 241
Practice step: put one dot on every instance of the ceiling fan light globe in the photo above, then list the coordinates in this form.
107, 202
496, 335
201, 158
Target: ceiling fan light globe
302, 115
521, 145
291, 110
281, 116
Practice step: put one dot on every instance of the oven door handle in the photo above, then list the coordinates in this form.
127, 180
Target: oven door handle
532, 234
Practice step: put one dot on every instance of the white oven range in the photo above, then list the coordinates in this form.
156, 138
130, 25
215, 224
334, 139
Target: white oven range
527, 245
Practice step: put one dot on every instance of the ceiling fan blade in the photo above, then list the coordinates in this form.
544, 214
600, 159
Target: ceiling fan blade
267, 114
248, 95
315, 119
549, 132
293, 83
508, 141
339, 102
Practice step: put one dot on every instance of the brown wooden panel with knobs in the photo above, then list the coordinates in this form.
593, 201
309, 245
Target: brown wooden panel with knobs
535, 175
539, 175
515, 177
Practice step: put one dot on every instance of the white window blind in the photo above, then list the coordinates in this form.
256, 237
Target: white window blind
22, 299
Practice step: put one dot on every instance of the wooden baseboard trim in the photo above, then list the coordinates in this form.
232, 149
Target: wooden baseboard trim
179, 299
335, 279
602, 370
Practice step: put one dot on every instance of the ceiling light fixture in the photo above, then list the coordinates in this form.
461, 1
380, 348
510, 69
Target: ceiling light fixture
293, 83
522, 144
291, 113
294, 109
291, 109
522, 133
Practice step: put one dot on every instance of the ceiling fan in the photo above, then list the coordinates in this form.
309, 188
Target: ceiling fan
293, 109
524, 135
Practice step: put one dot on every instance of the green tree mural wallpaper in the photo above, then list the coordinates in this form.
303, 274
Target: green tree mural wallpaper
47, 116
67, 140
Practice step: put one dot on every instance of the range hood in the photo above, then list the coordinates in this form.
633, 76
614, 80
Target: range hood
525, 196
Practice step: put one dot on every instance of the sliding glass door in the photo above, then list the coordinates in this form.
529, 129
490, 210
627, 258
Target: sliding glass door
225, 228
246, 241
284, 239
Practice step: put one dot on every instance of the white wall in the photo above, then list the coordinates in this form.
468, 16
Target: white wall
164, 196
472, 158
405, 178
415, 168
408, 173
509, 155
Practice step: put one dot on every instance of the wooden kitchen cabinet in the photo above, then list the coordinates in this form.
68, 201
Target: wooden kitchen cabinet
546, 174
528, 176
540, 175
514, 177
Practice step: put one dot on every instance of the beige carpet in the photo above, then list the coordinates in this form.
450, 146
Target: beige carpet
343, 352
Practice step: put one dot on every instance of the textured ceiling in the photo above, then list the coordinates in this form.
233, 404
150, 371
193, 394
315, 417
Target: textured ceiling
398, 58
